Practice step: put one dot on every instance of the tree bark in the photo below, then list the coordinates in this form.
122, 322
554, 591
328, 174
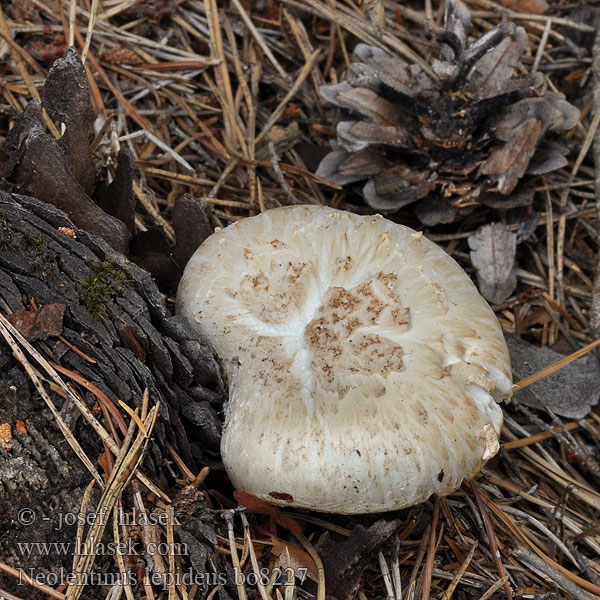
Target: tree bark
116, 316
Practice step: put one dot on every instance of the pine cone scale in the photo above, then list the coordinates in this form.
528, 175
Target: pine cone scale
477, 129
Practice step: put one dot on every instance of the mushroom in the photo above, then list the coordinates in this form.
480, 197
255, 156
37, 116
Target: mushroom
364, 367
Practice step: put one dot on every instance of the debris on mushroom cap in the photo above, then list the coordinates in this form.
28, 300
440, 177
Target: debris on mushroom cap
364, 366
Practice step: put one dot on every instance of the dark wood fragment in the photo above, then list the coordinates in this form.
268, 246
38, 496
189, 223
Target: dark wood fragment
135, 343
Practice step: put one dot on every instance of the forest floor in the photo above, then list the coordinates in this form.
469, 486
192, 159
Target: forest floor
212, 112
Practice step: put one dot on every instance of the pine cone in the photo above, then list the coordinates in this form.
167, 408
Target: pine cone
470, 133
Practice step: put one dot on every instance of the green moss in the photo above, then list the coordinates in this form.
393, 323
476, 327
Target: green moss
105, 282
35, 244
43, 258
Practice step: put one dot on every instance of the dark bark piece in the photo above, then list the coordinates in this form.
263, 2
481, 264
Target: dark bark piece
205, 422
117, 199
192, 226
133, 349
12, 148
136, 343
345, 561
150, 250
42, 172
66, 97
40, 474
126, 337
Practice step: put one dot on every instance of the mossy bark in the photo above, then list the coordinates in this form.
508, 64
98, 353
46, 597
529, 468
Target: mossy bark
115, 315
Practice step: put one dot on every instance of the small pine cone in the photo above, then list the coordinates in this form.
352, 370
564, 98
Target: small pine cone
121, 56
468, 132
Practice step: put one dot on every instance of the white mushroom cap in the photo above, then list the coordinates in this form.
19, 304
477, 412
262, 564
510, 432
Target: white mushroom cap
364, 367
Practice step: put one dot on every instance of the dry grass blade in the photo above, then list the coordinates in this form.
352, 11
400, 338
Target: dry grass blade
321, 590
85, 501
493, 542
235, 559
276, 115
563, 203
259, 38
124, 582
127, 462
153, 212
20, 576
6, 333
171, 557
20, 56
494, 588
104, 436
117, 93
463, 568
102, 397
594, 589
254, 562
538, 437
545, 570
428, 570
356, 24
90, 30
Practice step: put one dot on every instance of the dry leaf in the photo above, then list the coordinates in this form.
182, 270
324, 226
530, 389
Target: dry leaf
41, 323
290, 556
345, 561
104, 461
493, 251
569, 392
263, 507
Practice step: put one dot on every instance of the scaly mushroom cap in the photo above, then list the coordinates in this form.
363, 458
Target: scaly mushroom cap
364, 367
